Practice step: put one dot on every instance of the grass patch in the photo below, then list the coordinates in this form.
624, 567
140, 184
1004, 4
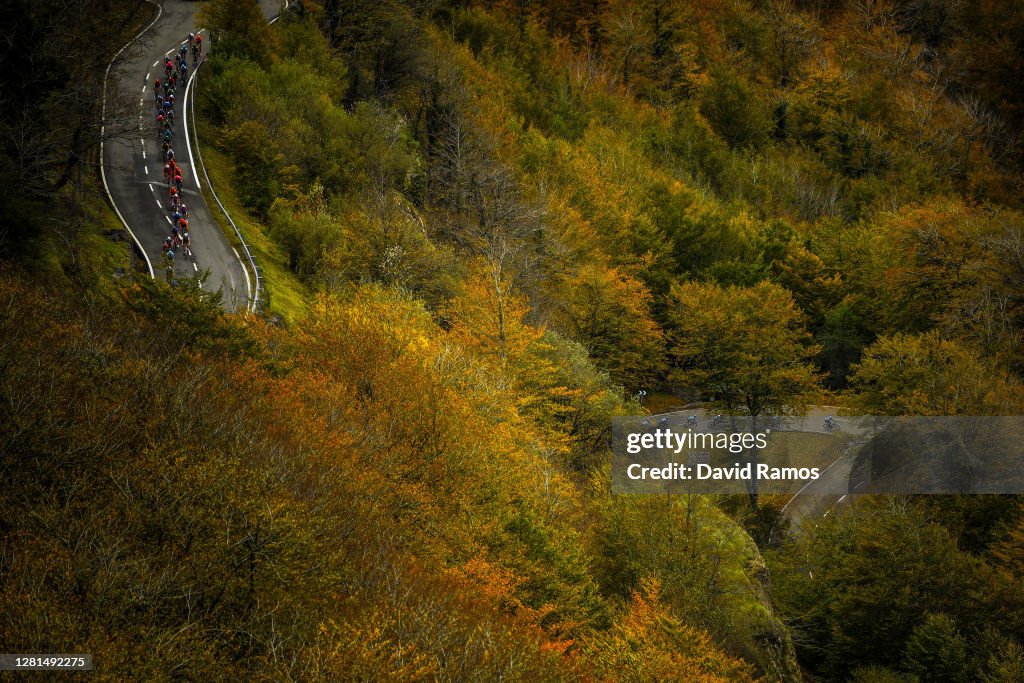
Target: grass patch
79, 240
284, 294
108, 244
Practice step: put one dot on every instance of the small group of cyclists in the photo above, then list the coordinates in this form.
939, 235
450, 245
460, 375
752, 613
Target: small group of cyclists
175, 71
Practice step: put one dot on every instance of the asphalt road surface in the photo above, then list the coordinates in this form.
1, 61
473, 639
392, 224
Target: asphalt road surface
134, 169
819, 497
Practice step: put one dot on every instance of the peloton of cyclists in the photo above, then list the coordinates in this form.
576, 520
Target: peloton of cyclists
176, 69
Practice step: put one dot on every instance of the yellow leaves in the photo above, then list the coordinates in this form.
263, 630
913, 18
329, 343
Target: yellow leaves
489, 317
608, 312
929, 375
648, 643
824, 85
354, 651
742, 346
494, 583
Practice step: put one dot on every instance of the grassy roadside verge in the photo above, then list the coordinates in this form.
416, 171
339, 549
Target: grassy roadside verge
285, 296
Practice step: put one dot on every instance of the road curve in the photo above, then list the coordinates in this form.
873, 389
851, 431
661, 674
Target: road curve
133, 169
819, 497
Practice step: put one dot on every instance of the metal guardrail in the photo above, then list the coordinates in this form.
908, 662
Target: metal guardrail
254, 298
254, 305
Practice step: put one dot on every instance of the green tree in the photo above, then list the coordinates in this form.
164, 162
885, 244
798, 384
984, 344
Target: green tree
856, 586
927, 374
936, 651
238, 27
734, 111
744, 348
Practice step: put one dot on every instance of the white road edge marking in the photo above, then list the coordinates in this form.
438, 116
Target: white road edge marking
809, 483
826, 513
157, 201
245, 271
195, 266
184, 113
841, 499
169, 219
144, 87
147, 169
103, 125
184, 123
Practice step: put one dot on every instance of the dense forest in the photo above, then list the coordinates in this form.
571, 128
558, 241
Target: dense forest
486, 229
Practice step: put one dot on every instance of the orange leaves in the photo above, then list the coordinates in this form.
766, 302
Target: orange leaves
490, 317
648, 643
494, 583
609, 313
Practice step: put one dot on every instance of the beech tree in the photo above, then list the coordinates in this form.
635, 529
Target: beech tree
743, 348
929, 375
609, 313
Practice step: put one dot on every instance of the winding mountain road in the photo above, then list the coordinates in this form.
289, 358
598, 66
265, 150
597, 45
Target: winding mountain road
133, 169
833, 488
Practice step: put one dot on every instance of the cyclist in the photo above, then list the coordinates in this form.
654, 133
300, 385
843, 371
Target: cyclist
184, 71
186, 243
169, 153
182, 225
184, 211
197, 48
169, 265
177, 180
